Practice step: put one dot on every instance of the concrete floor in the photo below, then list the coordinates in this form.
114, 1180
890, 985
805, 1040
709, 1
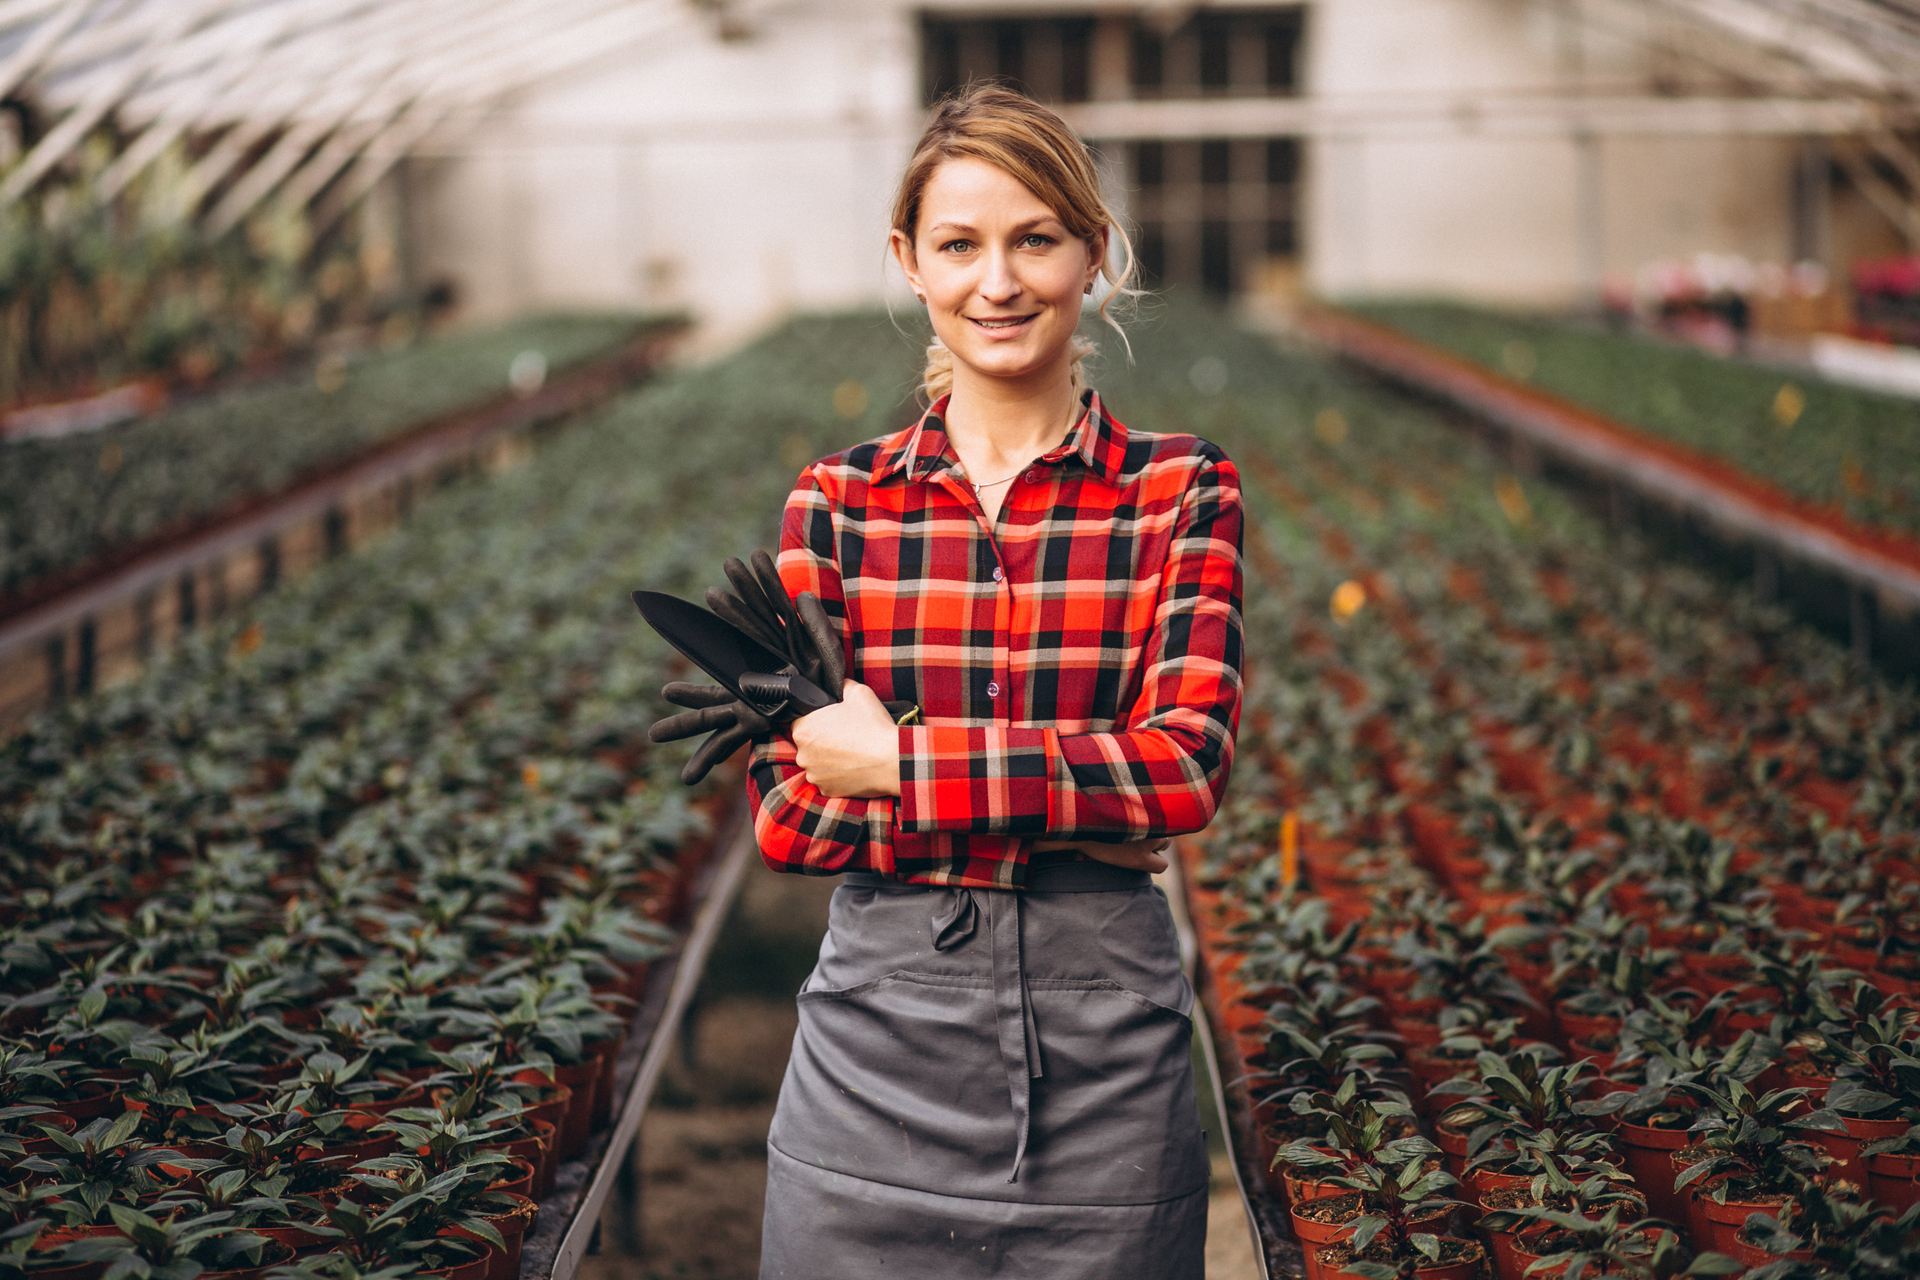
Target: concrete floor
702, 1150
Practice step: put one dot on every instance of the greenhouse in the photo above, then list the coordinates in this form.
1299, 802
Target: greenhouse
1332, 632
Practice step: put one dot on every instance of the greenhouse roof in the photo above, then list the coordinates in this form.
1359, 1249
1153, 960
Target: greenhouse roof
287, 96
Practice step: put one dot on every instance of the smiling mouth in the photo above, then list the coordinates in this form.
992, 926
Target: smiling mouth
1002, 322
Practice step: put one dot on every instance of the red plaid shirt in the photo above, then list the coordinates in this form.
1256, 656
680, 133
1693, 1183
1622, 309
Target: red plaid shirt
1077, 666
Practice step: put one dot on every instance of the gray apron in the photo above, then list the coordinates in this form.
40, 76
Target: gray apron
991, 1082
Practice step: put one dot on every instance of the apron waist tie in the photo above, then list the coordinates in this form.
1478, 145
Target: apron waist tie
1013, 1011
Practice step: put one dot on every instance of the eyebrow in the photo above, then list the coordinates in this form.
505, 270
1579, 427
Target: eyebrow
1028, 225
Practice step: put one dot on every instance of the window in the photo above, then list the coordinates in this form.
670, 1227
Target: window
1206, 213
1050, 59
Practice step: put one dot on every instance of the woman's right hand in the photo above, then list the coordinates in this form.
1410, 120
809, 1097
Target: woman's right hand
1135, 855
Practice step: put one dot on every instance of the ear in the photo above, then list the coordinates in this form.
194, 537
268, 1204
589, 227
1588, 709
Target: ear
1097, 245
901, 246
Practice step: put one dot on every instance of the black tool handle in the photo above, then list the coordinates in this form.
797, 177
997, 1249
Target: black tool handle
766, 692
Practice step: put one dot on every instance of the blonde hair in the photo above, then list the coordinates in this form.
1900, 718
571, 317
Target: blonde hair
1017, 134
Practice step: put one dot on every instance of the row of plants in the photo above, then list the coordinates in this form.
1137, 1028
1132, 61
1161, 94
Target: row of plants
69, 499
94, 292
1563, 914
1851, 450
318, 940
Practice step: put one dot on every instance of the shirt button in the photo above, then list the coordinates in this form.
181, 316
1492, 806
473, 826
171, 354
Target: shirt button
1035, 476
997, 575
993, 689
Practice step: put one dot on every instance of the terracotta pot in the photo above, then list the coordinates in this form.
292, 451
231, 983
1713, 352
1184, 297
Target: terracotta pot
301, 1240
534, 1151
1468, 1268
475, 1270
351, 1153
574, 1127
1297, 1190
1845, 1147
1452, 1141
96, 1096
1430, 1069
1754, 1256
1699, 1229
607, 1054
1648, 1152
517, 1180
1483, 1180
53, 1120
513, 1225
1527, 1260
1579, 1026
77, 1271
1315, 1236
1725, 1221
1890, 1180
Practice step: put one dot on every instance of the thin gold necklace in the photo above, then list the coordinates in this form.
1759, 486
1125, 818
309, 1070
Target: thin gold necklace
992, 484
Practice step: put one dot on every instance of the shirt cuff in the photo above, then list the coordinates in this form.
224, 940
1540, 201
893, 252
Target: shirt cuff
982, 779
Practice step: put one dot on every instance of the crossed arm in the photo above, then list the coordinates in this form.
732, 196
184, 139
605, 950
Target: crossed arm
851, 751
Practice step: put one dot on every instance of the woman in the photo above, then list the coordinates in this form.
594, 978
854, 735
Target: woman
992, 1073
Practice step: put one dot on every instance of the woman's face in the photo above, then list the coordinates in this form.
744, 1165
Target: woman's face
1001, 275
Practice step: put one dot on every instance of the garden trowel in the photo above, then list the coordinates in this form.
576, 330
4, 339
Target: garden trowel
740, 664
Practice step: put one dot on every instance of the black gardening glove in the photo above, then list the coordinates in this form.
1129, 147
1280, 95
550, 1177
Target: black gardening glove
728, 721
799, 631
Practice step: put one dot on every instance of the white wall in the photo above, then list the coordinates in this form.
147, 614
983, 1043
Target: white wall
737, 179
741, 179
1506, 218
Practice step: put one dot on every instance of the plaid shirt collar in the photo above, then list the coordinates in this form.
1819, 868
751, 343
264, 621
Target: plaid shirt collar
1099, 441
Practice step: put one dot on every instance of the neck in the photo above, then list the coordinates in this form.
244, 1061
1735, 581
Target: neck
996, 424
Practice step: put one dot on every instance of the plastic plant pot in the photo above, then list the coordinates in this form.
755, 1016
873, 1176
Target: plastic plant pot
1890, 1180
1649, 1164
1845, 1147
1725, 1221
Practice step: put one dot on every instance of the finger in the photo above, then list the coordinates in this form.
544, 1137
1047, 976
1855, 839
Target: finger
826, 640
753, 597
751, 719
691, 724
682, 694
713, 751
763, 569
729, 609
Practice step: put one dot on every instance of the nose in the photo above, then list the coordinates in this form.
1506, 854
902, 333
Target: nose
998, 283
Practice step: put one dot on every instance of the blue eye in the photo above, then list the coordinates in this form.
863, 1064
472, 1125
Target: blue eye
956, 246
1038, 241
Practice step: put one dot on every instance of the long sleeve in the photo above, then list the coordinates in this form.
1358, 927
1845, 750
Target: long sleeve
1164, 770
799, 829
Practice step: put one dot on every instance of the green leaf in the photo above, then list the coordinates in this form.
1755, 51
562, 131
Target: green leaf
1364, 1230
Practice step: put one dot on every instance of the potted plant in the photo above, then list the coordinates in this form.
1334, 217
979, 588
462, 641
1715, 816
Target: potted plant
1830, 1236
1876, 1077
1357, 1140
1398, 1194
1750, 1160
97, 1166
1613, 1244
182, 1247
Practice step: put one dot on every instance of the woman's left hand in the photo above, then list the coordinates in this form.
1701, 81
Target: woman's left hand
851, 750
1134, 855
